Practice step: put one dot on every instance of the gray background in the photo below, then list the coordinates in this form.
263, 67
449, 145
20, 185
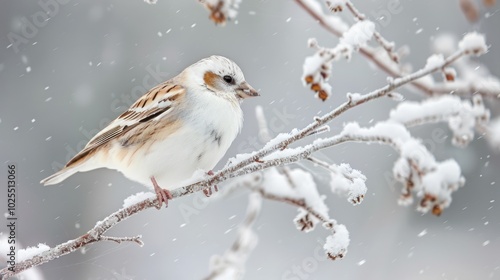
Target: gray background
92, 54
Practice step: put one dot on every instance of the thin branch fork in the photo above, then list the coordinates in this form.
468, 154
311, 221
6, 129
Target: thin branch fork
246, 166
386, 45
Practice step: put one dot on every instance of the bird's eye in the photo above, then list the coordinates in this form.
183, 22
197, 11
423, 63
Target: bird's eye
228, 79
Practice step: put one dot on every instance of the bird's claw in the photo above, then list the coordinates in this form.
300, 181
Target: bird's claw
162, 195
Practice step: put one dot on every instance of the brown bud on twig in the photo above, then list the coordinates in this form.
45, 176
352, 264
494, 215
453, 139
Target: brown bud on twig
470, 10
437, 210
449, 74
322, 95
221, 11
304, 222
334, 7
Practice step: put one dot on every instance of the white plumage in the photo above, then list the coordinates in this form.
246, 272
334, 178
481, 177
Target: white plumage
182, 125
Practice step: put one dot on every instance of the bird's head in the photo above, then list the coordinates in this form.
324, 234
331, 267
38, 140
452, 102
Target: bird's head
222, 77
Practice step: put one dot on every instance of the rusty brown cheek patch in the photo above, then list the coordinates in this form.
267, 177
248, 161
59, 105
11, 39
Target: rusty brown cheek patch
210, 79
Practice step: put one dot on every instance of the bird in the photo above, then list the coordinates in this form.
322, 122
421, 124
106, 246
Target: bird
182, 125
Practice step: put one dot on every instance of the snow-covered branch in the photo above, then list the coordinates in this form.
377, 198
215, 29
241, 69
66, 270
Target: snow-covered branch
276, 152
384, 43
462, 116
385, 57
267, 174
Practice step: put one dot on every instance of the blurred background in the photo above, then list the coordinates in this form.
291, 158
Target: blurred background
92, 59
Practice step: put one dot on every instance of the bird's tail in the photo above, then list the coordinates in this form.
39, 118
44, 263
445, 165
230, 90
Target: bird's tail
61, 175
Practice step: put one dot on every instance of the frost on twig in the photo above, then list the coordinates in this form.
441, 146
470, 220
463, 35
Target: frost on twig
337, 243
345, 180
317, 68
221, 11
462, 116
468, 76
6, 254
384, 43
297, 186
29, 252
299, 189
473, 43
433, 182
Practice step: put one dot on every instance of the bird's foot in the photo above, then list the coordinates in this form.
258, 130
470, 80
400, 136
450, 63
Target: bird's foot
208, 192
163, 195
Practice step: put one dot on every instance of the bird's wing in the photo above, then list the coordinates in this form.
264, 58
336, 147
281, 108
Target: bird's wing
155, 104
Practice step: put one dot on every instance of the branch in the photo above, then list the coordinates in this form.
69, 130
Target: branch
463, 116
384, 43
136, 239
249, 163
388, 65
93, 235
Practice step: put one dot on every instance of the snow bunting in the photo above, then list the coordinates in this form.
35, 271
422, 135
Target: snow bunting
182, 125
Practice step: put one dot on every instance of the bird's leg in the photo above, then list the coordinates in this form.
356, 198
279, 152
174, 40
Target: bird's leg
163, 195
208, 192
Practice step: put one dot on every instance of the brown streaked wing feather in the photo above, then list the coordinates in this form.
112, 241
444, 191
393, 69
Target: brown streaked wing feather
166, 92
98, 142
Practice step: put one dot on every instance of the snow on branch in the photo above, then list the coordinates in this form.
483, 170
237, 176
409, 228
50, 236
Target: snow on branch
317, 68
384, 43
470, 76
6, 256
473, 43
463, 116
486, 86
337, 243
297, 187
345, 180
432, 181
469, 80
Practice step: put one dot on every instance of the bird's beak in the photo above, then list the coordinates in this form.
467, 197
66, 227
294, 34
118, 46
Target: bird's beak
245, 91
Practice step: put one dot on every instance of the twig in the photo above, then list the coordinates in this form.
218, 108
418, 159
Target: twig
386, 45
136, 239
327, 166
